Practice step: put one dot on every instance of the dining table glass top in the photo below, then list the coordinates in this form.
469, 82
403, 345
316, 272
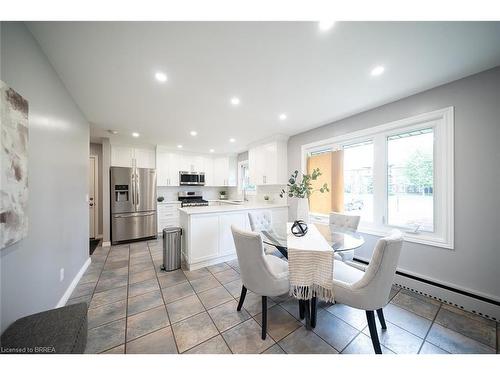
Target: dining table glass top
339, 238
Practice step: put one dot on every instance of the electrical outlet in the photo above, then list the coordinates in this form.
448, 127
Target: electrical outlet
61, 274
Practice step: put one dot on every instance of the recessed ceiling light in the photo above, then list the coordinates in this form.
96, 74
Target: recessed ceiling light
212, 150
232, 140
111, 131
135, 134
161, 77
235, 100
194, 133
179, 146
325, 25
378, 70
283, 116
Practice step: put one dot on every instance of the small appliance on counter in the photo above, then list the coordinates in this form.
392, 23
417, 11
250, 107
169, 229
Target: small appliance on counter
191, 199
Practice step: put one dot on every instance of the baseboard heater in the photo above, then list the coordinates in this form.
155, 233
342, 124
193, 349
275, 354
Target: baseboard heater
477, 304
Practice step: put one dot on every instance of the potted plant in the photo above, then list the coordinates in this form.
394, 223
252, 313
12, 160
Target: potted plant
267, 198
301, 189
222, 194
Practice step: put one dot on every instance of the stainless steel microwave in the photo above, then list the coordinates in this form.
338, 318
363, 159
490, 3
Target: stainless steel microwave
192, 178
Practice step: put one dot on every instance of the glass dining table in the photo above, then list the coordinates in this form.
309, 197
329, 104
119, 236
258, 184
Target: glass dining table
340, 239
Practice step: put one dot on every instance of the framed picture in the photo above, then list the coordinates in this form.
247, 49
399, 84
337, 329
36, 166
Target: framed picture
13, 166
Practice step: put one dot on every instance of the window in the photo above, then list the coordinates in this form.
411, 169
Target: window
410, 180
244, 178
399, 175
358, 180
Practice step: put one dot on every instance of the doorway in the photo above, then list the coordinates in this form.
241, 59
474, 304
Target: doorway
93, 196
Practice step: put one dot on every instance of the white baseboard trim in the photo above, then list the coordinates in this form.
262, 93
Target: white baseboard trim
73, 284
106, 244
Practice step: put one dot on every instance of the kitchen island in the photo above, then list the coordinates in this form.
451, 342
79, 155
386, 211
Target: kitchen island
207, 237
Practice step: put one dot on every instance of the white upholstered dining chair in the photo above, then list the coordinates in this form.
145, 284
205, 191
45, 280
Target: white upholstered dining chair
263, 220
265, 275
347, 222
369, 290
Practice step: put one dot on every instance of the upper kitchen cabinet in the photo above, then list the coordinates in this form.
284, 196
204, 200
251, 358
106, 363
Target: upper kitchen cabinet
126, 156
168, 166
225, 171
219, 171
267, 163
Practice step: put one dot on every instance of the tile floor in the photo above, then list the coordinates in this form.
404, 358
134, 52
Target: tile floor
134, 307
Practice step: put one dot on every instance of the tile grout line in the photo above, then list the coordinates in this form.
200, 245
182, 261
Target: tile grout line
126, 304
206, 311
162, 298
430, 327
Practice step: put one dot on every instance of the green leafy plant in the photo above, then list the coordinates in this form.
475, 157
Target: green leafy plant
301, 187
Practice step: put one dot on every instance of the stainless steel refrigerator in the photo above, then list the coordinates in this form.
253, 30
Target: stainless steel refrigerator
133, 203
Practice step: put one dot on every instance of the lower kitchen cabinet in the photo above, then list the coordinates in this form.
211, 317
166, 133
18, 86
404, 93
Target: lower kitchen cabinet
226, 242
207, 237
168, 215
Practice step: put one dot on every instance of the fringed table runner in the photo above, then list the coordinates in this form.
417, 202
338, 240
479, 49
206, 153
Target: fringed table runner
310, 265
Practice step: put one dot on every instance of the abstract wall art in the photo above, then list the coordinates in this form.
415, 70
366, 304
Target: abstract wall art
13, 166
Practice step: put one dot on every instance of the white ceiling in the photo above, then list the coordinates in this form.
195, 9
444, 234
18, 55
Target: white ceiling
273, 67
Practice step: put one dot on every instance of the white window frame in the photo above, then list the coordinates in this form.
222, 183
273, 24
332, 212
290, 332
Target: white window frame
240, 179
442, 122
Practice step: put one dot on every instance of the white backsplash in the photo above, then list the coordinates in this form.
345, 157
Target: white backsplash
272, 191
170, 193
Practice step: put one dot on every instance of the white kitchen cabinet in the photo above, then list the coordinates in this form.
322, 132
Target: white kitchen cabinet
267, 163
207, 237
219, 171
208, 168
226, 242
204, 239
144, 158
167, 168
225, 171
122, 156
168, 215
126, 156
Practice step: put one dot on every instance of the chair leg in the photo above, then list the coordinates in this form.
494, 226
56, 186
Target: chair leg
242, 298
264, 317
381, 318
370, 317
301, 309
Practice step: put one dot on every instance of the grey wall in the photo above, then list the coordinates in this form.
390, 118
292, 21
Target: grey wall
473, 264
96, 149
58, 181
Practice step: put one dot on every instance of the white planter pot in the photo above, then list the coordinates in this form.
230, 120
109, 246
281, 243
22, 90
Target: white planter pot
300, 209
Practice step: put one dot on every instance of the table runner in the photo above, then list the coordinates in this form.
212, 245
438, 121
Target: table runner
310, 265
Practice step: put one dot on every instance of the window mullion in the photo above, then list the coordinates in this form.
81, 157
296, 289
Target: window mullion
379, 180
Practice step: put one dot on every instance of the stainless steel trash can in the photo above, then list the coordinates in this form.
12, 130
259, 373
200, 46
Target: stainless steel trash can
171, 248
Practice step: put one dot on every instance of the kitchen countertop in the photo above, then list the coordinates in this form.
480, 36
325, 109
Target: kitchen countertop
229, 207
168, 202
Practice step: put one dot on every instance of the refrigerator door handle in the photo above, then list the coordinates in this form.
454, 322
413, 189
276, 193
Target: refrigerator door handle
132, 185
137, 191
135, 215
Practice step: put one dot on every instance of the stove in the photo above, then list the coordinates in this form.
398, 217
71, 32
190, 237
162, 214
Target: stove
191, 199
